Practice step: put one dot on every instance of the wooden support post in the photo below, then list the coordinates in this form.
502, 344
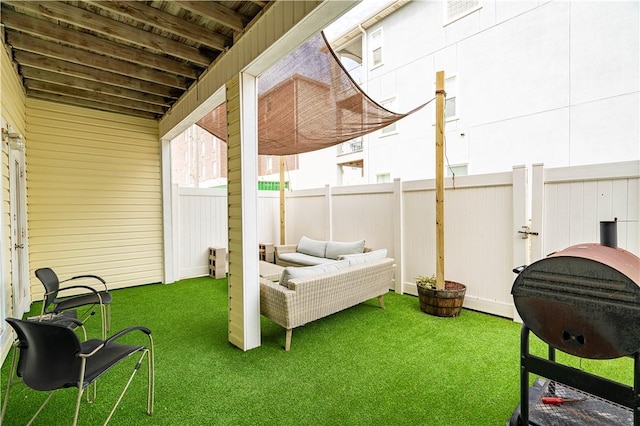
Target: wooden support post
440, 99
282, 227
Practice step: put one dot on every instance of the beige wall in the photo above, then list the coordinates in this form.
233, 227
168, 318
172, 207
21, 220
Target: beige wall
13, 113
93, 195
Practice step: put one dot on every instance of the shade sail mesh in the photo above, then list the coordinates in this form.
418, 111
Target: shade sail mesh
308, 101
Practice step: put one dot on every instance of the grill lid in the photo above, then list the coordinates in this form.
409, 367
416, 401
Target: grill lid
583, 300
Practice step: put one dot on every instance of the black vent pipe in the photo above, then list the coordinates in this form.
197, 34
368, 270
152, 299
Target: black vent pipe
609, 233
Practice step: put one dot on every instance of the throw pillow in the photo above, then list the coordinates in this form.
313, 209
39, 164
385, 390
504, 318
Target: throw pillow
311, 247
292, 272
338, 248
359, 259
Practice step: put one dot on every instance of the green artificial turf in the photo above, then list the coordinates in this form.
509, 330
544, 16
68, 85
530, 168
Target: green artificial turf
362, 366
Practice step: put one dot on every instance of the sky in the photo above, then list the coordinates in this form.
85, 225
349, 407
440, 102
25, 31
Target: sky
355, 16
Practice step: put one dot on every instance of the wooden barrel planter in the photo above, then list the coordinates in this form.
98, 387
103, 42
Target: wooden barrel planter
442, 303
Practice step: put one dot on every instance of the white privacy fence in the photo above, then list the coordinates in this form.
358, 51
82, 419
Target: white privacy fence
483, 217
570, 202
202, 222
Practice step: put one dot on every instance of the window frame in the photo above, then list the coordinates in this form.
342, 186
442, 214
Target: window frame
446, 19
389, 104
373, 47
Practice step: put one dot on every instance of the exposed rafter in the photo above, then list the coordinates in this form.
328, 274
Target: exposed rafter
131, 57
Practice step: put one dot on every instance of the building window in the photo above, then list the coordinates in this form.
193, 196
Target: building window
383, 178
391, 128
375, 47
457, 170
450, 105
456, 9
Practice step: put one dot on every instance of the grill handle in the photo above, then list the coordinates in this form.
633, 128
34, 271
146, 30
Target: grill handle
519, 269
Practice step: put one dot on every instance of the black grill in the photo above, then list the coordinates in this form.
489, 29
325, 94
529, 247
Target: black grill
585, 301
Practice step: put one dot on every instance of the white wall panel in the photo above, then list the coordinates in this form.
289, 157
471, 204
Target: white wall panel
604, 50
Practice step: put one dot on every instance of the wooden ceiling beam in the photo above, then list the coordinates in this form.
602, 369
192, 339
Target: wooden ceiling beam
217, 12
35, 74
88, 73
36, 94
112, 28
28, 43
74, 92
46, 29
163, 20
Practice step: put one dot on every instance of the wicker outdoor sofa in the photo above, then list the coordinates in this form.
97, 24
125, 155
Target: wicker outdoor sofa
293, 302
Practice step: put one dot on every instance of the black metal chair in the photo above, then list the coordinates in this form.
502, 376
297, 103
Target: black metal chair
49, 356
53, 305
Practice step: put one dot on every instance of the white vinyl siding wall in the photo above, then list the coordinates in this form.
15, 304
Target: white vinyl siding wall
93, 195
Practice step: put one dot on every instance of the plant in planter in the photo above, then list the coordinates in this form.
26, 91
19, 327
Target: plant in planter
445, 302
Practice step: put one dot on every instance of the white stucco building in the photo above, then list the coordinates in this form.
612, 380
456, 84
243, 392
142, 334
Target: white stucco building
553, 82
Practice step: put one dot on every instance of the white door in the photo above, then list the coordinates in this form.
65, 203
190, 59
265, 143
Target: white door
19, 260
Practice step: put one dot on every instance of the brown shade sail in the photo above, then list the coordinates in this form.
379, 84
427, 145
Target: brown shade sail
308, 101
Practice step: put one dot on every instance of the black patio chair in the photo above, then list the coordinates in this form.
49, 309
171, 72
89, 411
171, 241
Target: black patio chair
49, 356
53, 305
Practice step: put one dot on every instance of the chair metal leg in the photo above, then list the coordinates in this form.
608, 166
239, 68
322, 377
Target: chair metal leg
80, 390
135, 370
103, 320
151, 377
10, 382
46, 401
108, 310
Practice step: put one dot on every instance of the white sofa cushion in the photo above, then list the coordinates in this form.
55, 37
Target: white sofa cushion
359, 259
311, 247
339, 248
292, 272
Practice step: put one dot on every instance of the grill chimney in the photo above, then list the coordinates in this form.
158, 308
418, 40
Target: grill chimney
609, 233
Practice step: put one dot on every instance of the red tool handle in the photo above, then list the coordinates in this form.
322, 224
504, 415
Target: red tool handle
557, 400
552, 400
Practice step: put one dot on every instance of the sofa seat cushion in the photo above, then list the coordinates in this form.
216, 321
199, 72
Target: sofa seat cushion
304, 259
340, 248
293, 272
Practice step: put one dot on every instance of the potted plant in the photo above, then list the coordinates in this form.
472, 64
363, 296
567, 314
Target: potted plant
444, 302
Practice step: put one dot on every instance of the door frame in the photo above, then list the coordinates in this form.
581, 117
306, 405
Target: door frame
18, 216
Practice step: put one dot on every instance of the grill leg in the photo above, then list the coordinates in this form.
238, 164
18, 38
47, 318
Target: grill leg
524, 375
636, 388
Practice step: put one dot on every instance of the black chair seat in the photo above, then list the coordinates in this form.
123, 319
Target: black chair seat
105, 358
82, 300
